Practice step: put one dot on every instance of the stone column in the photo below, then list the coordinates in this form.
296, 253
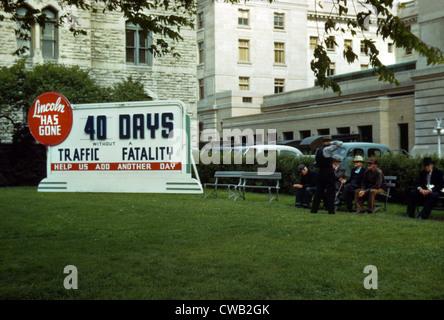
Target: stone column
429, 80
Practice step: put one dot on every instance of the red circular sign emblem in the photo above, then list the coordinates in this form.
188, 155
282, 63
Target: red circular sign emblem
50, 118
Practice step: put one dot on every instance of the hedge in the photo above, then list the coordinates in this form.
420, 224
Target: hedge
405, 168
22, 164
25, 164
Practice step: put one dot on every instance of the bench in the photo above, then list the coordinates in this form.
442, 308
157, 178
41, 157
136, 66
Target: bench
247, 176
224, 175
390, 182
437, 206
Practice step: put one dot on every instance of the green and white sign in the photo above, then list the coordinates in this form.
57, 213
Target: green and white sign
124, 147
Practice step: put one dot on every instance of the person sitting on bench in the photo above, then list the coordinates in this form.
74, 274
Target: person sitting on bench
372, 183
306, 188
353, 183
430, 183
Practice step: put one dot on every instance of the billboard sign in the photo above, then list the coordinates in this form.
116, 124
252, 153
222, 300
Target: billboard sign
139, 146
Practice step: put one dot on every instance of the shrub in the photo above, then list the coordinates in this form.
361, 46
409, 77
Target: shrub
285, 164
25, 163
405, 168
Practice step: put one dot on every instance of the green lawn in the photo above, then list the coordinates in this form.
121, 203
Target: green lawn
165, 246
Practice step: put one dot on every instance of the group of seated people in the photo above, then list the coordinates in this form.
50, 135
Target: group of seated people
366, 183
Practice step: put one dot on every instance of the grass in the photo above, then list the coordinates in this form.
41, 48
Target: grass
172, 246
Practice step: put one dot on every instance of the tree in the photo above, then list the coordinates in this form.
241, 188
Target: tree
165, 18
20, 86
389, 26
128, 90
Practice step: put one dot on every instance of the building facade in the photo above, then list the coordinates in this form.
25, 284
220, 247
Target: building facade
257, 48
112, 50
377, 112
401, 117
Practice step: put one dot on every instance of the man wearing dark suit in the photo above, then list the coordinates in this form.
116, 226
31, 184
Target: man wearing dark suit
325, 182
306, 188
348, 194
427, 190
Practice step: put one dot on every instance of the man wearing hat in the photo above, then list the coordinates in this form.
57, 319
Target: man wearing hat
306, 187
372, 183
427, 190
325, 182
339, 171
356, 175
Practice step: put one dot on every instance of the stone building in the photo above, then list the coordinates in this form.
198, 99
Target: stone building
400, 117
112, 50
257, 48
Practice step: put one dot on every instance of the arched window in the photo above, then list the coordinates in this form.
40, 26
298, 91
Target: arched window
137, 44
24, 37
49, 35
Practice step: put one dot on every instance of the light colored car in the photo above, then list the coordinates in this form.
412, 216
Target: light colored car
349, 150
263, 149
254, 151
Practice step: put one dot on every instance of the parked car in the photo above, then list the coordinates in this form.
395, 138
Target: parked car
255, 150
349, 150
264, 148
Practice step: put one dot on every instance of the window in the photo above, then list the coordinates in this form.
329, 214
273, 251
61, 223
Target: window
339, 152
24, 40
200, 46
331, 69
247, 99
313, 42
366, 133
49, 35
279, 85
243, 18
355, 152
258, 139
330, 43
200, 20
137, 45
348, 43
244, 83
279, 52
390, 47
323, 132
363, 49
364, 66
374, 153
304, 134
403, 136
343, 130
244, 50
278, 20
288, 135
201, 89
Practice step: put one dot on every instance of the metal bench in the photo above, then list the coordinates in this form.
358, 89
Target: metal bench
224, 175
246, 176
437, 206
390, 182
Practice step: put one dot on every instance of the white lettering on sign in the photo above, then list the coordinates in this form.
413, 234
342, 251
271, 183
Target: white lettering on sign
40, 109
118, 166
50, 131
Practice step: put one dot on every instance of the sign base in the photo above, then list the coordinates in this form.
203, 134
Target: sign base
135, 185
